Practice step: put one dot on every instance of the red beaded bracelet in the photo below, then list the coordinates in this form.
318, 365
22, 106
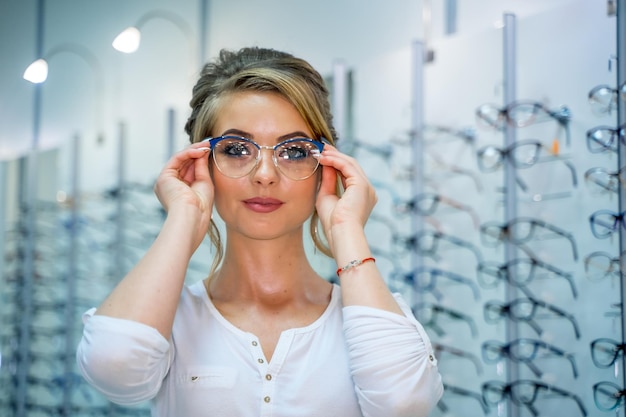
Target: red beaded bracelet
353, 264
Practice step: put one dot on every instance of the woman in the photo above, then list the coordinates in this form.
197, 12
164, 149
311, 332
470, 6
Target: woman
264, 334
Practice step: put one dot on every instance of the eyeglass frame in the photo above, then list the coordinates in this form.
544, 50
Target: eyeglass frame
454, 314
412, 242
617, 349
438, 348
503, 273
618, 217
617, 260
612, 145
562, 116
462, 392
412, 205
615, 178
620, 90
619, 394
213, 141
506, 155
504, 349
432, 285
504, 233
508, 389
505, 309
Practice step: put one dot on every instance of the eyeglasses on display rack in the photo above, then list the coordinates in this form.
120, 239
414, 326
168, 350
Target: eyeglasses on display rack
605, 351
427, 242
525, 350
522, 230
520, 272
522, 154
426, 204
603, 98
606, 222
467, 135
522, 113
605, 179
608, 396
525, 310
525, 393
605, 139
236, 157
600, 265
428, 314
425, 279
440, 348
451, 389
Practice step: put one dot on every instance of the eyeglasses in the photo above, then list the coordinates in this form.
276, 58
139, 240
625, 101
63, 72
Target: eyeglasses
604, 351
425, 280
525, 351
236, 157
608, 180
427, 243
525, 310
426, 204
608, 396
519, 272
522, 154
520, 114
606, 222
438, 348
521, 230
599, 265
468, 135
524, 393
428, 314
604, 138
451, 389
603, 98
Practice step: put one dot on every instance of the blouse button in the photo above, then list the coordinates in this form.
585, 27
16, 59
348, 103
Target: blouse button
266, 399
260, 360
254, 343
268, 377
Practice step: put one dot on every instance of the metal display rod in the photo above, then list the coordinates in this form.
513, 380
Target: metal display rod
510, 190
418, 51
621, 119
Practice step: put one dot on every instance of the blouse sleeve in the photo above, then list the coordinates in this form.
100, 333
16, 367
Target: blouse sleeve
392, 362
125, 360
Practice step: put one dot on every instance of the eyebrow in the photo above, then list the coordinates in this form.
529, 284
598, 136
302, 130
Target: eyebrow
237, 132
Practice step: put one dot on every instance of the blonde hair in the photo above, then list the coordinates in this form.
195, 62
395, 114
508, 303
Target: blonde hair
261, 70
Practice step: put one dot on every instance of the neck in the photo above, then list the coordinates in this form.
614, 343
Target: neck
270, 272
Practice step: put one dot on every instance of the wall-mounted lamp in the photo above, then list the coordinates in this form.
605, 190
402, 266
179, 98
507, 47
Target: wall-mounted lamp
129, 39
37, 72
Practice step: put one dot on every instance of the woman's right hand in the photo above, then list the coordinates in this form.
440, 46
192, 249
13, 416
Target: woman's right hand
185, 185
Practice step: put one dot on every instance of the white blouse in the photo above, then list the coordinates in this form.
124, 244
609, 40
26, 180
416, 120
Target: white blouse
352, 361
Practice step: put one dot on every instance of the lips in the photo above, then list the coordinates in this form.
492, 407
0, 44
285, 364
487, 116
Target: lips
263, 204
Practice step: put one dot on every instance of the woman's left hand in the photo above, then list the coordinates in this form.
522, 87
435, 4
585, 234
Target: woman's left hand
358, 199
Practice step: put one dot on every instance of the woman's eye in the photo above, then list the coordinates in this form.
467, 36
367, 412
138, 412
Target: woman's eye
293, 152
237, 149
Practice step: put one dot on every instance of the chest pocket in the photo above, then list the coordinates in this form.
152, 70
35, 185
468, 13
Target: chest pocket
207, 377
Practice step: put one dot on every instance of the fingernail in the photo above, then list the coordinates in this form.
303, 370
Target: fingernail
204, 149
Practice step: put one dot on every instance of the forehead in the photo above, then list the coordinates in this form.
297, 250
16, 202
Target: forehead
262, 115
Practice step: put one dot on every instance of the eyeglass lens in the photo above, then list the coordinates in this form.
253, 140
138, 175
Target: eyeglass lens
236, 157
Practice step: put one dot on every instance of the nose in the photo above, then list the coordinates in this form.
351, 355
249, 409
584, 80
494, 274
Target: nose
265, 171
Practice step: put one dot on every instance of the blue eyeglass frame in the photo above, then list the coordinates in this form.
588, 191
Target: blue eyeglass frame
215, 140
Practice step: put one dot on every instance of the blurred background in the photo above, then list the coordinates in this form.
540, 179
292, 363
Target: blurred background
491, 130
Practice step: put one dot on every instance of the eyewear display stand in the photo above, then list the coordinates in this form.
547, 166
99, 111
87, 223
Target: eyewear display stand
621, 119
417, 129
